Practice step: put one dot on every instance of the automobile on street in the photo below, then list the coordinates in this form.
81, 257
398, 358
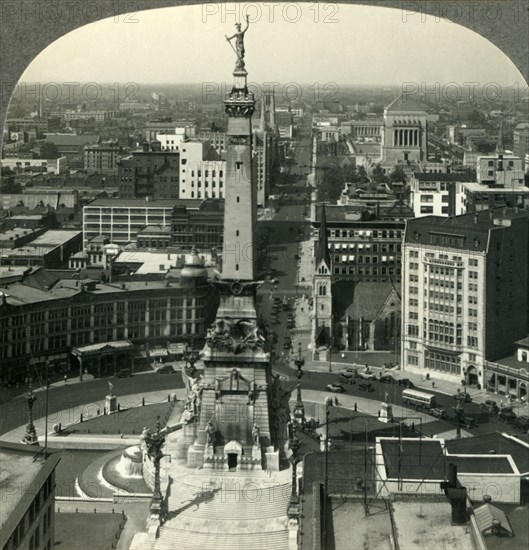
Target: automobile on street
336, 388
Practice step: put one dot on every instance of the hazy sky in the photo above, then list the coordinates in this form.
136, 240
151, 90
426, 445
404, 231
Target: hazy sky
355, 45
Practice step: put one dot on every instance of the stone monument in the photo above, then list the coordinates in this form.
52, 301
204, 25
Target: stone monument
386, 410
111, 399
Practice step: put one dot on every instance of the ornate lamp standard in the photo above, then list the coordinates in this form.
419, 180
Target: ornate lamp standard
155, 442
299, 409
294, 444
328, 405
31, 434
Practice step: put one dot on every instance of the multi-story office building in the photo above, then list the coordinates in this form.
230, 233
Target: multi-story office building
121, 220
363, 130
49, 166
202, 171
155, 224
361, 249
164, 125
500, 170
28, 494
149, 173
52, 249
39, 125
217, 141
477, 197
465, 291
98, 116
201, 227
71, 145
172, 141
43, 317
521, 140
102, 159
437, 194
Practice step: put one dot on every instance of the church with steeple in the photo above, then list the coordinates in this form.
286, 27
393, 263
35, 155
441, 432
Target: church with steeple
322, 328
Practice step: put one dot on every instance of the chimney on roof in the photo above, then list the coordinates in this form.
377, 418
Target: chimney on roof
457, 495
475, 217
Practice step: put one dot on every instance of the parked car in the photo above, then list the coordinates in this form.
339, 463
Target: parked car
347, 378
521, 423
124, 373
507, 414
336, 388
439, 413
468, 422
387, 379
354, 370
366, 386
405, 383
464, 397
367, 375
490, 406
166, 369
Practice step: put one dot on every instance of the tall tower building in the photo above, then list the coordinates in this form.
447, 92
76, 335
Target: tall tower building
233, 429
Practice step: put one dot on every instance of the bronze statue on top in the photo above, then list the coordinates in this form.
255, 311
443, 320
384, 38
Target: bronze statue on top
239, 43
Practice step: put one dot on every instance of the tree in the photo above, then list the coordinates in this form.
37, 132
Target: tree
49, 151
378, 175
397, 175
332, 184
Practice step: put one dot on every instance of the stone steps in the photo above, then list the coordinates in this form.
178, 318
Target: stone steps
216, 496
189, 540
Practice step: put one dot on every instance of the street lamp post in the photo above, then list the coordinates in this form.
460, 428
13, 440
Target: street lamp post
31, 433
294, 444
328, 404
299, 409
47, 367
155, 442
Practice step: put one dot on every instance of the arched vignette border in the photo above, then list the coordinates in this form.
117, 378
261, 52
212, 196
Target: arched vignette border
505, 23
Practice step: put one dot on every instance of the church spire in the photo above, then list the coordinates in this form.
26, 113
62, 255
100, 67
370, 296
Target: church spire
323, 245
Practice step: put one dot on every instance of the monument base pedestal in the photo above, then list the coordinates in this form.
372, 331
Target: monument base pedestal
256, 453
386, 412
272, 459
111, 403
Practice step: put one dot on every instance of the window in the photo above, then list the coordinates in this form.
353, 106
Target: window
426, 209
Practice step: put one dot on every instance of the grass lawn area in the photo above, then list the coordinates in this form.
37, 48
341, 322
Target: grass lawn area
129, 422
86, 531
72, 463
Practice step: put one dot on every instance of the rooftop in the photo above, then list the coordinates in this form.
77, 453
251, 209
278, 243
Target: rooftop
72, 139
141, 203
368, 300
405, 103
475, 187
55, 237
23, 472
427, 176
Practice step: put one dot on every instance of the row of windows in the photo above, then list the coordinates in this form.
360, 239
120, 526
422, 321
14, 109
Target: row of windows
367, 271
442, 363
355, 233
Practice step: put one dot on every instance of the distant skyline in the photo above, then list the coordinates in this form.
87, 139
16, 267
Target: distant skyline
365, 46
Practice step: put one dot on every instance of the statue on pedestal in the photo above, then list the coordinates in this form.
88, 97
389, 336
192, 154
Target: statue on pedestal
210, 434
256, 434
239, 43
110, 389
